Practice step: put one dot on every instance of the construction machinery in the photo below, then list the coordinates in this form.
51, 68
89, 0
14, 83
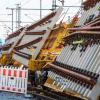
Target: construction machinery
76, 71
25, 44
63, 59
35, 45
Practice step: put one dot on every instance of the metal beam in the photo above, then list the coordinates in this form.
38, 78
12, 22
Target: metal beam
12, 19
40, 9
71, 6
28, 9
14, 22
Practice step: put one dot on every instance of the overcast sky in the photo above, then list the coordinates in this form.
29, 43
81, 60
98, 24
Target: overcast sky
30, 16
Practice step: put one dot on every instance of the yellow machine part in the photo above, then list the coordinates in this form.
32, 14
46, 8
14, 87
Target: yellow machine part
49, 83
51, 48
6, 59
35, 65
54, 43
3, 60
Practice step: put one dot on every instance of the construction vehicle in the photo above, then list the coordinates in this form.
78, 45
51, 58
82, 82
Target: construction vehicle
76, 71
35, 45
26, 43
24, 46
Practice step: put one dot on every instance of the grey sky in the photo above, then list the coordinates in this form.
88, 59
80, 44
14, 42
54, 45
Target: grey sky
29, 16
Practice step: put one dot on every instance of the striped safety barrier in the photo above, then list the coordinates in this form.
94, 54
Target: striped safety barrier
13, 79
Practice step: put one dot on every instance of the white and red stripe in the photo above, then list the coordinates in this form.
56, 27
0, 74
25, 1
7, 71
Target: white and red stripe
13, 79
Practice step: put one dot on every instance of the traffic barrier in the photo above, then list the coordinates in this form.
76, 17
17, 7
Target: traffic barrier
13, 79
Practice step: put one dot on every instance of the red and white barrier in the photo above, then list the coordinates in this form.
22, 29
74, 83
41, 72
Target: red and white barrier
13, 79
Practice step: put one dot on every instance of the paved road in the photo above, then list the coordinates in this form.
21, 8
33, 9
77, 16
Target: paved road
13, 96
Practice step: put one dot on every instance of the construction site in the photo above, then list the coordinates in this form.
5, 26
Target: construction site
49, 50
